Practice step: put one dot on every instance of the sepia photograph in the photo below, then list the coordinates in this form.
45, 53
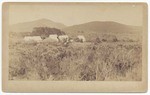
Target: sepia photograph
75, 42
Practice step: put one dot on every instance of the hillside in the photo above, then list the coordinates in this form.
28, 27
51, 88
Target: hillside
90, 30
28, 26
96, 28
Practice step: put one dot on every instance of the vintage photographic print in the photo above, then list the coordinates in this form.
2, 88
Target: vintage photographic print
99, 42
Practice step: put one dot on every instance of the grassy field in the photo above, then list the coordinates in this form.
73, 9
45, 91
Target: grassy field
106, 61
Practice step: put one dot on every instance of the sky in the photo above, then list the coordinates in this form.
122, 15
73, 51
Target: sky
76, 13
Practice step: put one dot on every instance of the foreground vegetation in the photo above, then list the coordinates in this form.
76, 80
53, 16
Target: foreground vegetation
75, 61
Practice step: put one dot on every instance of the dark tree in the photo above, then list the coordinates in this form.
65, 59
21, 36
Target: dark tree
46, 31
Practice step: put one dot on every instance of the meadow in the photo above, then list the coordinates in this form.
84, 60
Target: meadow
104, 61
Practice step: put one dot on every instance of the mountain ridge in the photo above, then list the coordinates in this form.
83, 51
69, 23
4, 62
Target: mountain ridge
94, 29
28, 26
89, 30
103, 26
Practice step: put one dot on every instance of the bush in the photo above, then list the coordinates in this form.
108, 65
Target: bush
108, 38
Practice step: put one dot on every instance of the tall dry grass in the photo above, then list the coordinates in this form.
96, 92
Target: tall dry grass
77, 61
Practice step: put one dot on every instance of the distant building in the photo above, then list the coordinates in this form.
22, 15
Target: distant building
81, 38
33, 38
52, 38
63, 38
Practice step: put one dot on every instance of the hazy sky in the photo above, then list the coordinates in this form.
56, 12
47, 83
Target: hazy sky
71, 14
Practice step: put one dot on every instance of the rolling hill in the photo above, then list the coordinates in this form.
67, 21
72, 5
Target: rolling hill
28, 26
102, 27
90, 30
97, 28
